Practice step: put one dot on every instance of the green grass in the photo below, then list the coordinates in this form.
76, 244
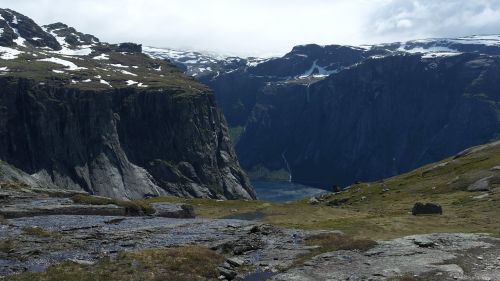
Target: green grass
132, 207
190, 263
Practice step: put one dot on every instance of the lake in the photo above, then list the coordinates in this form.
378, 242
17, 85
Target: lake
283, 191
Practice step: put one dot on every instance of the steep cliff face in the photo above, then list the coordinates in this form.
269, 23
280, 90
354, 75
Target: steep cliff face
119, 143
107, 119
375, 120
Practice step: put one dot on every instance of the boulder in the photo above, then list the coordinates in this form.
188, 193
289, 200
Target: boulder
480, 185
313, 201
426, 209
173, 210
130, 48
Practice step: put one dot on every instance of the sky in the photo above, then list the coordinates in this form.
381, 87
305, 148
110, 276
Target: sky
265, 27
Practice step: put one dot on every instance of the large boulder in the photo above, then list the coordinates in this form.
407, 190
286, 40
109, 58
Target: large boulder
480, 185
426, 209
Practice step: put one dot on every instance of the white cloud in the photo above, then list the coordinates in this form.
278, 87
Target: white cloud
263, 27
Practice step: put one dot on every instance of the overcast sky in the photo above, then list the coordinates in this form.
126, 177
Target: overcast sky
265, 27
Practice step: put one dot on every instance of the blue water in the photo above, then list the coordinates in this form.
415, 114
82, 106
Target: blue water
283, 191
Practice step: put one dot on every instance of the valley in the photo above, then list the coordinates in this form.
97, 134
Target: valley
332, 162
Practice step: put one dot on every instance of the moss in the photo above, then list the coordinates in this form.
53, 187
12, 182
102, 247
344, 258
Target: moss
176, 264
132, 207
38, 232
7, 245
330, 242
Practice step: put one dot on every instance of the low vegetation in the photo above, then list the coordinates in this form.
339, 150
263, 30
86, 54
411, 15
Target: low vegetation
330, 242
132, 207
38, 232
382, 210
7, 245
189, 263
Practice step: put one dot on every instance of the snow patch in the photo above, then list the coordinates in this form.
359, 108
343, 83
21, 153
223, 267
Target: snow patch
87, 81
127, 72
131, 82
119, 65
101, 57
69, 65
102, 81
4, 69
19, 40
9, 53
141, 85
316, 71
58, 71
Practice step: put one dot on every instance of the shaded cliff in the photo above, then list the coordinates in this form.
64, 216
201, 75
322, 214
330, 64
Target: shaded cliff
378, 119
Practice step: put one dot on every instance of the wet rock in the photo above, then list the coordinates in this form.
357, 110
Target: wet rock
173, 210
426, 209
480, 185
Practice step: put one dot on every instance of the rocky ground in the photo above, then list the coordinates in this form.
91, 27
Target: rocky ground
45, 227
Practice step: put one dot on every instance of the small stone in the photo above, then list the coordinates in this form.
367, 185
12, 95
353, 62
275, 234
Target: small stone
480, 258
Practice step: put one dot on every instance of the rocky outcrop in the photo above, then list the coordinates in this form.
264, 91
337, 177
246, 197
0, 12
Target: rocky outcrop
432, 257
119, 143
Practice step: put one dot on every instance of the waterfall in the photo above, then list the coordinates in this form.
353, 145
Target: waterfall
287, 165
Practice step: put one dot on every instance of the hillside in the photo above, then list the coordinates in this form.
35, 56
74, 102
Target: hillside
80, 114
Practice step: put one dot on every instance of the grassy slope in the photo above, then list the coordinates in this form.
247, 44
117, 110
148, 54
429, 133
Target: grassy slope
375, 214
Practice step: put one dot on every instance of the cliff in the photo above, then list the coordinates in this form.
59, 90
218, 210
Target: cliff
110, 120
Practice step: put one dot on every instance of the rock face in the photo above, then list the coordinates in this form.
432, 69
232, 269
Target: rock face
122, 143
84, 115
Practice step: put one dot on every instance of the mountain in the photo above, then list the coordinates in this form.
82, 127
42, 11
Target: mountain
80, 114
334, 115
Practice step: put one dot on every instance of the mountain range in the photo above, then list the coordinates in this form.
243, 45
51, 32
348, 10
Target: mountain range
335, 115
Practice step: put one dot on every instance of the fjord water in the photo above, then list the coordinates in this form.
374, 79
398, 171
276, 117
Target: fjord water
283, 191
